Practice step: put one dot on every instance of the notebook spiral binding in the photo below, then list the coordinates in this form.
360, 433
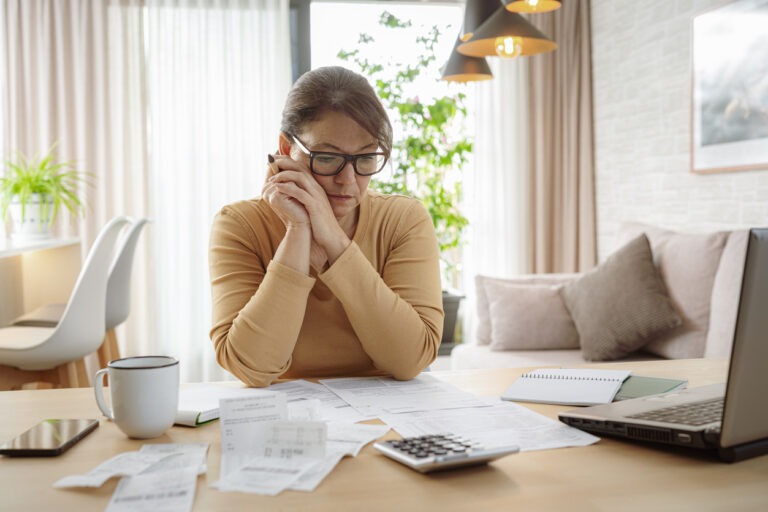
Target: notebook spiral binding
551, 376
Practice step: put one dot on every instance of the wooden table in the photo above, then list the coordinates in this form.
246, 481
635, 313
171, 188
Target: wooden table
608, 476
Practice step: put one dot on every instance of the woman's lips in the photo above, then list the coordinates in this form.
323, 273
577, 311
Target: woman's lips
339, 197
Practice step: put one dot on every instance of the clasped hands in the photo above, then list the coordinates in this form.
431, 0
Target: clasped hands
302, 204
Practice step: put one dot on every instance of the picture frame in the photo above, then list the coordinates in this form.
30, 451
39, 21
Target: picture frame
729, 83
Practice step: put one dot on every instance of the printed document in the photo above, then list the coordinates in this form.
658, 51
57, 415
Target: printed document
265, 450
374, 396
332, 408
157, 478
500, 424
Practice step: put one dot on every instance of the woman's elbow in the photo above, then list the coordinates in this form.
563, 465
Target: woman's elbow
412, 370
229, 361
407, 374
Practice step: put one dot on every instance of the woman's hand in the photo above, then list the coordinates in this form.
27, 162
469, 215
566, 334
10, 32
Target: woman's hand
296, 184
291, 211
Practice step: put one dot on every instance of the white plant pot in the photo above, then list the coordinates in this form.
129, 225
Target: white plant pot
35, 223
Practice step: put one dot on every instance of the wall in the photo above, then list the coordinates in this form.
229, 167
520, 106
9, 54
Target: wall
642, 105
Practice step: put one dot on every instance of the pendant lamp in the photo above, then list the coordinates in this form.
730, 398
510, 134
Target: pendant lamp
462, 68
531, 6
506, 34
475, 13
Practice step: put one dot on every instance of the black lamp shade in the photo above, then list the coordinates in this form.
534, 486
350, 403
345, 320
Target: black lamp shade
462, 68
475, 13
505, 24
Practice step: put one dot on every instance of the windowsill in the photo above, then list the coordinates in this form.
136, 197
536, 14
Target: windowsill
10, 247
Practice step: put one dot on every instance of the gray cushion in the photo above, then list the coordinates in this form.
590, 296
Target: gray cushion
621, 304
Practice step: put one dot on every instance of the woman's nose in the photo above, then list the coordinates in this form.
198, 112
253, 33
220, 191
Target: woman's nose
347, 173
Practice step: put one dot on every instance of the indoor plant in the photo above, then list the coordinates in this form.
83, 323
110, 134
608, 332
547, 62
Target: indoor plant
430, 149
34, 189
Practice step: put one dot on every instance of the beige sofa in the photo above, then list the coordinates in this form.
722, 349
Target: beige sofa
524, 321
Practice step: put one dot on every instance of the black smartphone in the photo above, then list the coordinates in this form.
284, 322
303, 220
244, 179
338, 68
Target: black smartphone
48, 438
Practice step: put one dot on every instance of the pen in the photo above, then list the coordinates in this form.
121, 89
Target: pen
272, 164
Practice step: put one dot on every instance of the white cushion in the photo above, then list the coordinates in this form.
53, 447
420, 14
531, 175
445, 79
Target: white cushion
725, 296
529, 317
483, 310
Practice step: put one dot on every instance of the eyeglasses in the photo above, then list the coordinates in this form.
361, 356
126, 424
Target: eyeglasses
325, 163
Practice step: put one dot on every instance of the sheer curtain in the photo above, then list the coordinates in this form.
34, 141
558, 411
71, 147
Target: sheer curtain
217, 75
71, 76
172, 106
496, 191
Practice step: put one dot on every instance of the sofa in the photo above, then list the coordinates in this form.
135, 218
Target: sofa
662, 294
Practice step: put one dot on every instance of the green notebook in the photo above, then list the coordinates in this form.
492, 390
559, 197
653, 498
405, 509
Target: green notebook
636, 386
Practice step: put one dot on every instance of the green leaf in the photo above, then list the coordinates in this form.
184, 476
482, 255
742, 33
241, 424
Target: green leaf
25, 176
431, 149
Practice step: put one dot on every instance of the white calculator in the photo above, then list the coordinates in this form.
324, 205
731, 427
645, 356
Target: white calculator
440, 451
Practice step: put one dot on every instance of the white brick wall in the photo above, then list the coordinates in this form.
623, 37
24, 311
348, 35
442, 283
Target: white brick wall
642, 106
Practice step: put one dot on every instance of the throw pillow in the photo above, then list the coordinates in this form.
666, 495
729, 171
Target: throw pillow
529, 317
483, 328
688, 263
621, 304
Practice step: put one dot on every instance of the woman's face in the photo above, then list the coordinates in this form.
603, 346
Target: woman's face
338, 133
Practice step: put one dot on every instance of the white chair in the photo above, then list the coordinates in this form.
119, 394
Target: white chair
118, 296
80, 331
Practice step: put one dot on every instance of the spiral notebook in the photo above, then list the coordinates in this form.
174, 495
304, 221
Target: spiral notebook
566, 386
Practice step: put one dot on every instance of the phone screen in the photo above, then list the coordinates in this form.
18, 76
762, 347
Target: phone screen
48, 438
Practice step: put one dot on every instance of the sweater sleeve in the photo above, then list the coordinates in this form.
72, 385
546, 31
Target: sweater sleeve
258, 304
398, 315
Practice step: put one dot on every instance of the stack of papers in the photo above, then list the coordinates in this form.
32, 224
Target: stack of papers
266, 451
293, 434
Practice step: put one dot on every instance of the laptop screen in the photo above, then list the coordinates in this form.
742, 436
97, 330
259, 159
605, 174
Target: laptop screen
745, 417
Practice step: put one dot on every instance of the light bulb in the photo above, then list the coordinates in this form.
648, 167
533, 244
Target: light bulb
533, 3
509, 46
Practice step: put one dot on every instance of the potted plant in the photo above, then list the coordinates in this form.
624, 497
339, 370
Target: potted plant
34, 189
429, 153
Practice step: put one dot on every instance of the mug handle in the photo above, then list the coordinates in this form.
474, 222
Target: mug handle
98, 389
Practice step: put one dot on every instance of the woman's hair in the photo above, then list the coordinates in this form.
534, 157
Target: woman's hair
338, 89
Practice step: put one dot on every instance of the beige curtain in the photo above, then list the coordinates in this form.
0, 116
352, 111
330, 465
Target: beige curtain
172, 105
70, 70
562, 236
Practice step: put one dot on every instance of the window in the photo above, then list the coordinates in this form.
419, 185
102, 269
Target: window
427, 152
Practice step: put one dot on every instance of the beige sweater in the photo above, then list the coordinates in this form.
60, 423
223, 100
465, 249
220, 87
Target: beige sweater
376, 311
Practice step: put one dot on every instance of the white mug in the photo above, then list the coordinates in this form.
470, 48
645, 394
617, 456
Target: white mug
144, 394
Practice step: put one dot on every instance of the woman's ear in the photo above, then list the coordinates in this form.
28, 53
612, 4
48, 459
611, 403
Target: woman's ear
284, 147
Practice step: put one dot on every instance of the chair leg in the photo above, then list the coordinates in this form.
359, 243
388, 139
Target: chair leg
109, 350
74, 375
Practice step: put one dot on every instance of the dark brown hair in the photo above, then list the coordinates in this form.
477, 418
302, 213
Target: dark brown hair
341, 90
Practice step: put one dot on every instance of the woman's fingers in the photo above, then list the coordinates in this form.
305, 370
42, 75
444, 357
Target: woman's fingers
288, 208
303, 188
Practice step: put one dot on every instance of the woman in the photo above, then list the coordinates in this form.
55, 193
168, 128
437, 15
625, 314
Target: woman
320, 276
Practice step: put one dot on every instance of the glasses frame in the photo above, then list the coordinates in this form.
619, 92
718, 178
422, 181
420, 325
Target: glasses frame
347, 159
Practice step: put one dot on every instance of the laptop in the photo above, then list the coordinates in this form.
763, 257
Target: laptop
729, 419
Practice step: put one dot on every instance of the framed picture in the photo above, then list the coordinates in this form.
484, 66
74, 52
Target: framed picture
729, 114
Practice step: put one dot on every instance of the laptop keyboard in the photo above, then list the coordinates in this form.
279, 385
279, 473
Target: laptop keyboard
694, 413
